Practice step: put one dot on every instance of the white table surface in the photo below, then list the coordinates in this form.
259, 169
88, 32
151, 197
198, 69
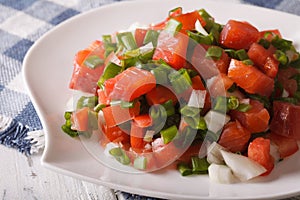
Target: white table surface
24, 178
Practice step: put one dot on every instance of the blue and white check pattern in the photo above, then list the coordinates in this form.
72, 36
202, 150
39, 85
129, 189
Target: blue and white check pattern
22, 22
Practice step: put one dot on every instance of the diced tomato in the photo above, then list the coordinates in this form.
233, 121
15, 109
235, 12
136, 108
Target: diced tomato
218, 85
223, 62
270, 34
172, 49
188, 20
80, 119
165, 154
250, 78
271, 67
138, 129
259, 151
263, 59
208, 67
234, 137
132, 83
84, 78
160, 95
115, 134
286, 146
115, 115
255, 120
285, 120
258, 54
285, 78
102, 97
238, 35
197, 83
139, 35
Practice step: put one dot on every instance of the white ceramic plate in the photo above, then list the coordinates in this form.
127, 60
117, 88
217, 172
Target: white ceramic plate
47, 71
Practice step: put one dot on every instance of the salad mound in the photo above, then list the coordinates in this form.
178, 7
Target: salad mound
213, 98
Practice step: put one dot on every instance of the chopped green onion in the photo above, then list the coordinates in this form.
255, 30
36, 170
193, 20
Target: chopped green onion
129, 62
120, 155
168, 105
126, 104
190, 111
180, 80
281, 57
208, 19
106, 38
151, 36
196, 122
200, 38
241, 54
237, 54
99, 107
108, 45
184, 169
243, 107
173, 26
159, 116
66, 128
161, 75
93, 61
127, 40
169, 134
199, 165
215, 32
248, 62
281, 44
110, 71
175, 10
89, 102
220, 104
265, 43
233, 102
132, 53
140, 162
146, 56
68, 115
214, 52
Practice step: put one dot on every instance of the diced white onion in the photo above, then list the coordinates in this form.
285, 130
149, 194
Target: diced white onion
200, 28
274, 152
113, 58
197, 98
147, 47
221, 174
216, 120
285, 93
242, 167
149, 135
214, 154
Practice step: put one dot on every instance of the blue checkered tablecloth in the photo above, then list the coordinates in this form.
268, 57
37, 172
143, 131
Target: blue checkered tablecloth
22, 22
